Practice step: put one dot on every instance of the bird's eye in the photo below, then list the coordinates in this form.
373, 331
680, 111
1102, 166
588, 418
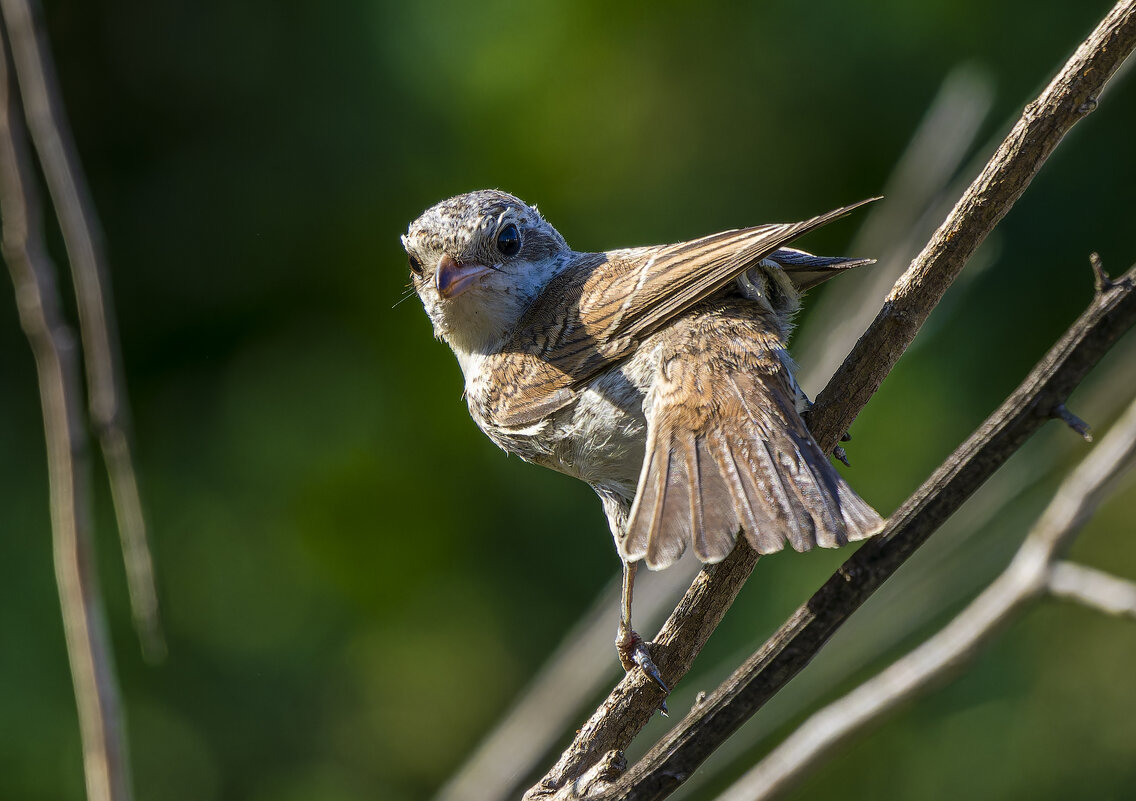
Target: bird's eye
415, 265
509, 240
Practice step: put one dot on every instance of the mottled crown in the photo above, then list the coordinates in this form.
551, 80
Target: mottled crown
467, 230
464, 227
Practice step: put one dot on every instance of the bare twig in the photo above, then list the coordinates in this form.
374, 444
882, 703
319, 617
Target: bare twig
92, 671
1070, 96
1083, 429
895, 228
1026, 148
1031, 573
943, 573
1093, 588
109, 412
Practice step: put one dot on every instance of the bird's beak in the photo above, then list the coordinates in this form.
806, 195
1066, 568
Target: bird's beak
452, 278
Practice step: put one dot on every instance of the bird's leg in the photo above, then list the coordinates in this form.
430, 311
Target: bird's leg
632, 650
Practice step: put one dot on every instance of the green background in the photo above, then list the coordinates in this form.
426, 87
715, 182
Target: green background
355, 582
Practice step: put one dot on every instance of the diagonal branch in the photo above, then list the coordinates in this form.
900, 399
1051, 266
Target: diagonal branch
110, 415
1068, 98
1032, 572
918, 195
61, 396
1111, 315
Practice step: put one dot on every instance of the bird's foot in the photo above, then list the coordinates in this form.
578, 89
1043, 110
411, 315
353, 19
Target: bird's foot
633, 652
838, 452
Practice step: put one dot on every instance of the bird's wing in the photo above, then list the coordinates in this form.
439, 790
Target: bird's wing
737, 458
650, 286
595, 312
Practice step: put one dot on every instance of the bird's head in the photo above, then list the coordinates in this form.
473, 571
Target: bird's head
477, 261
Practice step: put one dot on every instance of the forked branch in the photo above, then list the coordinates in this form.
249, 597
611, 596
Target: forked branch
61, 397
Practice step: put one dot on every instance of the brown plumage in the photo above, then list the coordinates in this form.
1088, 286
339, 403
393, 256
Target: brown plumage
727, 449
659, 375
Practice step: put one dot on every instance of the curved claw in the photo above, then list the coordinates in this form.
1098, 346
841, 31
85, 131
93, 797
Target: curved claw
642, 658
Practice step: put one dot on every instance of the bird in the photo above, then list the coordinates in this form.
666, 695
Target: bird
659, 375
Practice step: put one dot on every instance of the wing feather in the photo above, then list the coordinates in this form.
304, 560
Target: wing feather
596, 312
807, 271
681, 275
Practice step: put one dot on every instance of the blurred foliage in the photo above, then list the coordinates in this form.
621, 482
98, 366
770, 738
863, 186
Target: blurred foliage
355, 581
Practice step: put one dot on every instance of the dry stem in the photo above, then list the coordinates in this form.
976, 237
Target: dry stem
92, 671
109, 412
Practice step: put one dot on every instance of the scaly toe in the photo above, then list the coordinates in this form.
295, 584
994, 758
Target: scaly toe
633, 652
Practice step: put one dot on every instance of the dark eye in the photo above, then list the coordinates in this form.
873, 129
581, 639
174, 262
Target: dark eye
509, 240
415, 265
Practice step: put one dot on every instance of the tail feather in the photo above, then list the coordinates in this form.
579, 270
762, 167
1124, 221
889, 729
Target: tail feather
753, 468
860, 519
755, 516
714, 537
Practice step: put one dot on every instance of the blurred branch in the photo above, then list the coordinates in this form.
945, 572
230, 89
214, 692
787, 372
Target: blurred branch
1093, 588
1068, 98
1031, 573
894, 229
92, 671
572, 675
109, 412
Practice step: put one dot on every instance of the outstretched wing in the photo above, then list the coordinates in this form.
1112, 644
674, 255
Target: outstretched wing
735, 459
650, 286
596, 312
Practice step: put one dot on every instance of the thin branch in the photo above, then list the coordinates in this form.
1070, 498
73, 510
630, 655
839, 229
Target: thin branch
894, 230
1028, 145
1069, 98
92, 670
1028, 577
1093, 588
110, 414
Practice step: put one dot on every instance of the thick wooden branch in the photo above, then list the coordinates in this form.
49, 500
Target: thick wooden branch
1068, 98
61, 396
667, 765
